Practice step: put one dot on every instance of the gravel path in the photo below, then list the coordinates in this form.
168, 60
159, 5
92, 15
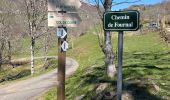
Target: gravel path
30, 88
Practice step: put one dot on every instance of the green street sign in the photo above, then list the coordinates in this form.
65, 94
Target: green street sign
121, 20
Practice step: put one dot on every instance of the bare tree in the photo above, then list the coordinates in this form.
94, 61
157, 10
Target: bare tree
46, 47
106, 44
36, 16
7, 38
5, 42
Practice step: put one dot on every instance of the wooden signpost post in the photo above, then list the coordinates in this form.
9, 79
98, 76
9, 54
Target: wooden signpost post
62, 14
120, 21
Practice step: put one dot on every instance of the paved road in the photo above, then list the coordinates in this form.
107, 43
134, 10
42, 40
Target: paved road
168, 29
30, 88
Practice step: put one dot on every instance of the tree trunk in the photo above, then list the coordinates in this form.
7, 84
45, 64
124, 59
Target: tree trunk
32, 55
109, 56
1, 53
108, 52
0, 61
46, 44
72, 44
9, 51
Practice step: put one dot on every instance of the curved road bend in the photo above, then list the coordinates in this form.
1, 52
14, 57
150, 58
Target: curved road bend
30, 88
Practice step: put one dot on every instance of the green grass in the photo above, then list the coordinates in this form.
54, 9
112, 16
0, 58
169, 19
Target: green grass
145, 61
22, 50
23, 72
86, 52
49, 95
146, 58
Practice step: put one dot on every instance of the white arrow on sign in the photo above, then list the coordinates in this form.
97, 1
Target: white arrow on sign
64, 46
61, 33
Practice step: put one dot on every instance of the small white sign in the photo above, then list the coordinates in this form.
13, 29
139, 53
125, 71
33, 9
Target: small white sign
66, 5
56, 19
64, 46
61, 33
69, 19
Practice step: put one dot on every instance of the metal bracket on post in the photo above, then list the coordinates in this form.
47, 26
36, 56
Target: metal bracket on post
120, 56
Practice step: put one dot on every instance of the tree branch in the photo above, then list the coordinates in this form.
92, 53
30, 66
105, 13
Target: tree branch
126, 1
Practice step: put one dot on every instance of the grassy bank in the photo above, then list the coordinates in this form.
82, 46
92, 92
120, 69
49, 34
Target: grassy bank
9, 74
21, 56
87, 53
146, 68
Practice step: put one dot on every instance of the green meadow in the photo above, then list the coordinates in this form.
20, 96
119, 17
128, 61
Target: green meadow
146, 68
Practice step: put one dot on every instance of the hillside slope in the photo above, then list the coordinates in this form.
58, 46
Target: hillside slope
152, 13
88, 14
145, 69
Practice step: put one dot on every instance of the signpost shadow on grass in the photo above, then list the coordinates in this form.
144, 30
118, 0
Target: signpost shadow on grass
96, 76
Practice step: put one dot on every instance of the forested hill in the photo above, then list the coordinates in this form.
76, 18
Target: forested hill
88, 14
154, 12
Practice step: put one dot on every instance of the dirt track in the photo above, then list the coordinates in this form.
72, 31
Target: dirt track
30, 88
